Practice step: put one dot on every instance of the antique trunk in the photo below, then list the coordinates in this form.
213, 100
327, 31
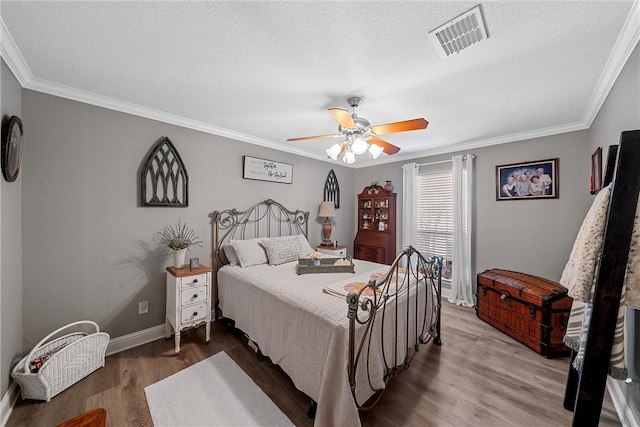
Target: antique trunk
530, 309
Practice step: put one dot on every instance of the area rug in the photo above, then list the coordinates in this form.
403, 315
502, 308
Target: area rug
213, 392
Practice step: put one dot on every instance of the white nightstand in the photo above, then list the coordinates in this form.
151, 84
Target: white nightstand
338, 251
188, 301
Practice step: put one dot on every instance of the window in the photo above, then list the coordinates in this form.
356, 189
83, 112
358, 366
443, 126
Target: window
435, 217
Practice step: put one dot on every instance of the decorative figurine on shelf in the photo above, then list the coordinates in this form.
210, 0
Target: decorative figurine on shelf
388, 187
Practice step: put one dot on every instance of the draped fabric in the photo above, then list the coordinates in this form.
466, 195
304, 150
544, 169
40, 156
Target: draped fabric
462, 278
409, 204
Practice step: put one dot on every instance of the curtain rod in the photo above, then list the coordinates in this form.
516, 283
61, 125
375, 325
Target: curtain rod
434, 163
446, 161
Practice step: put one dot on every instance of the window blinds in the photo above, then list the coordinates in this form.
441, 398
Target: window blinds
435, 214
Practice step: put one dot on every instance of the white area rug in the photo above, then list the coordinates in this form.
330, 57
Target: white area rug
213, 392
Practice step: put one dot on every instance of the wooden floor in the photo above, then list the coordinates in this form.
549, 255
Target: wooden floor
479, 377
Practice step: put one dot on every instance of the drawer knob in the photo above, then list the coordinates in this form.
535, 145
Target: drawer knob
195, 313
195, 296
195, 280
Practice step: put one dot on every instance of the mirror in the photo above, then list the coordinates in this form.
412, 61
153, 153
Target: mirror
12, 148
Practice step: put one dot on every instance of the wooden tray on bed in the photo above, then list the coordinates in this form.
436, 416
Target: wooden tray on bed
305, 266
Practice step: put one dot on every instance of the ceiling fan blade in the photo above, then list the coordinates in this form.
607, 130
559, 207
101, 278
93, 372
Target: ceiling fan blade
343, 117
304, 138
403, 126
388, 148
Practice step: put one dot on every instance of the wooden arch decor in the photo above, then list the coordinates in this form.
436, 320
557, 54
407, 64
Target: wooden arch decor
332, 189
164, 180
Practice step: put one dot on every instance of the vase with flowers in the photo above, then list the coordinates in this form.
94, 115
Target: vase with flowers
179, 238
315, 257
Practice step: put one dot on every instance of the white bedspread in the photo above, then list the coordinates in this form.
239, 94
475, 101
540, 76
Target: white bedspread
300, 328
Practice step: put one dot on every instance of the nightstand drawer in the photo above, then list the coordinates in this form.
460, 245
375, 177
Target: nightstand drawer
194, 313
195, 280
189, 296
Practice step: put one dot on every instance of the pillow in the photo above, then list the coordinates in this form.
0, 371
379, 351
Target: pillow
305, 247
230, 253
282, 249
249, 252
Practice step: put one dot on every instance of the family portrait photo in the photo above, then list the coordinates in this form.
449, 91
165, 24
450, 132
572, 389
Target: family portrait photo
531, 180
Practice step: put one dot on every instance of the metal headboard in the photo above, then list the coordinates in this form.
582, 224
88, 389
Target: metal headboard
267, 218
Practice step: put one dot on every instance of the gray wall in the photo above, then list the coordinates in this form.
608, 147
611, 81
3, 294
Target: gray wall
10, 240
532, 236
92, 248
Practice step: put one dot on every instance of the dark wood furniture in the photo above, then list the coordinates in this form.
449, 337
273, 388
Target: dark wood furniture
93, 418
585, 391
530, 309
376, 237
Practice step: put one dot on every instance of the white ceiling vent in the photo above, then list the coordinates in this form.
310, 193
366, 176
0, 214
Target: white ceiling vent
459, 33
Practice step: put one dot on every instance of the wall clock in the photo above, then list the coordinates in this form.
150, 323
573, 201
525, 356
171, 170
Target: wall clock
12, 148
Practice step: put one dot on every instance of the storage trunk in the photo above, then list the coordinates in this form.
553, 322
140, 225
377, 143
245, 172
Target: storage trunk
530, 309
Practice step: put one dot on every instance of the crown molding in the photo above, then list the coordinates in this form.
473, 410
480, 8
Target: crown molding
469, 145
626, 42
13, 57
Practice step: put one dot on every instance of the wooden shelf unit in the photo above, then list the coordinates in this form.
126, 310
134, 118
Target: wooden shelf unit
376, 237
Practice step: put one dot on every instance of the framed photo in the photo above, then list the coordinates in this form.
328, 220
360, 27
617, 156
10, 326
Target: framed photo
194, 263
530, 180
596, 171
267, 170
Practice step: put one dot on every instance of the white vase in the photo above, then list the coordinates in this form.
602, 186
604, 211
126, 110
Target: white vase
178, 257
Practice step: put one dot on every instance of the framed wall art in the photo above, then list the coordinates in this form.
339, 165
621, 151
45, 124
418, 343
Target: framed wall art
596, 171
267, 170
528, 180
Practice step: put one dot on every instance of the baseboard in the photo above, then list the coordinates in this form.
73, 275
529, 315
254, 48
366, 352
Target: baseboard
125, 342
8, 402
629, 417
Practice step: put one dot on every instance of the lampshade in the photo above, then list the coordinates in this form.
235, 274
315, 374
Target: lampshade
326, 210
334, 151
359, 145
349, 157
375, 150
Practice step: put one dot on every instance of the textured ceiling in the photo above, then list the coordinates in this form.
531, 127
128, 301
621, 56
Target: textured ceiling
263, 72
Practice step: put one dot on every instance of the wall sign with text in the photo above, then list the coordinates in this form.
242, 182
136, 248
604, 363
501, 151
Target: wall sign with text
267, 170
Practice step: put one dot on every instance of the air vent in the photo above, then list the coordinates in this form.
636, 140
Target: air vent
460, 33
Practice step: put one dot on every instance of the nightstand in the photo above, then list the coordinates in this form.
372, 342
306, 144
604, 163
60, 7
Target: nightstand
188, 301
339, 251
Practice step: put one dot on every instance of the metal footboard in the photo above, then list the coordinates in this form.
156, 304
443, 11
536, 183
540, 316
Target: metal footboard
388, 319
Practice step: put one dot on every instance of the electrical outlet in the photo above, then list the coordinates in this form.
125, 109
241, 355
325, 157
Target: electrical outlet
143, 307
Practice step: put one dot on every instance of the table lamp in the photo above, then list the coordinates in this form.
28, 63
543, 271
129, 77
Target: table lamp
327, 211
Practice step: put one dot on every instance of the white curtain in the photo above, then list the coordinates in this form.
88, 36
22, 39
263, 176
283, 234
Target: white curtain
409, 204
461, 278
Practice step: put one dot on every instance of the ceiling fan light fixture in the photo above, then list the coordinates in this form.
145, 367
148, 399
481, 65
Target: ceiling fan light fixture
375, 150
349, 157
334, 151
359, 145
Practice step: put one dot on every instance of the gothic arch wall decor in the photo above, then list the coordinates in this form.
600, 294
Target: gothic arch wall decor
164, 180
332, 189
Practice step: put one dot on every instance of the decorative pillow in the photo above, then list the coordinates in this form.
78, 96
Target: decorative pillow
249, 252
305, 247
282, 249
230, 253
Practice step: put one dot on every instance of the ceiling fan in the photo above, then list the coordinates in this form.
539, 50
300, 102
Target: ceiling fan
359, 136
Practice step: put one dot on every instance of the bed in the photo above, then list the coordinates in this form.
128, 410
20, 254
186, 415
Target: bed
340, 336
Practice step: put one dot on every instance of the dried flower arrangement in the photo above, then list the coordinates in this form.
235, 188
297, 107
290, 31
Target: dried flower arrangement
179, 236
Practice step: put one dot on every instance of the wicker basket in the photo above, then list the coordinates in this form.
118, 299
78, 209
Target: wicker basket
78, 355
